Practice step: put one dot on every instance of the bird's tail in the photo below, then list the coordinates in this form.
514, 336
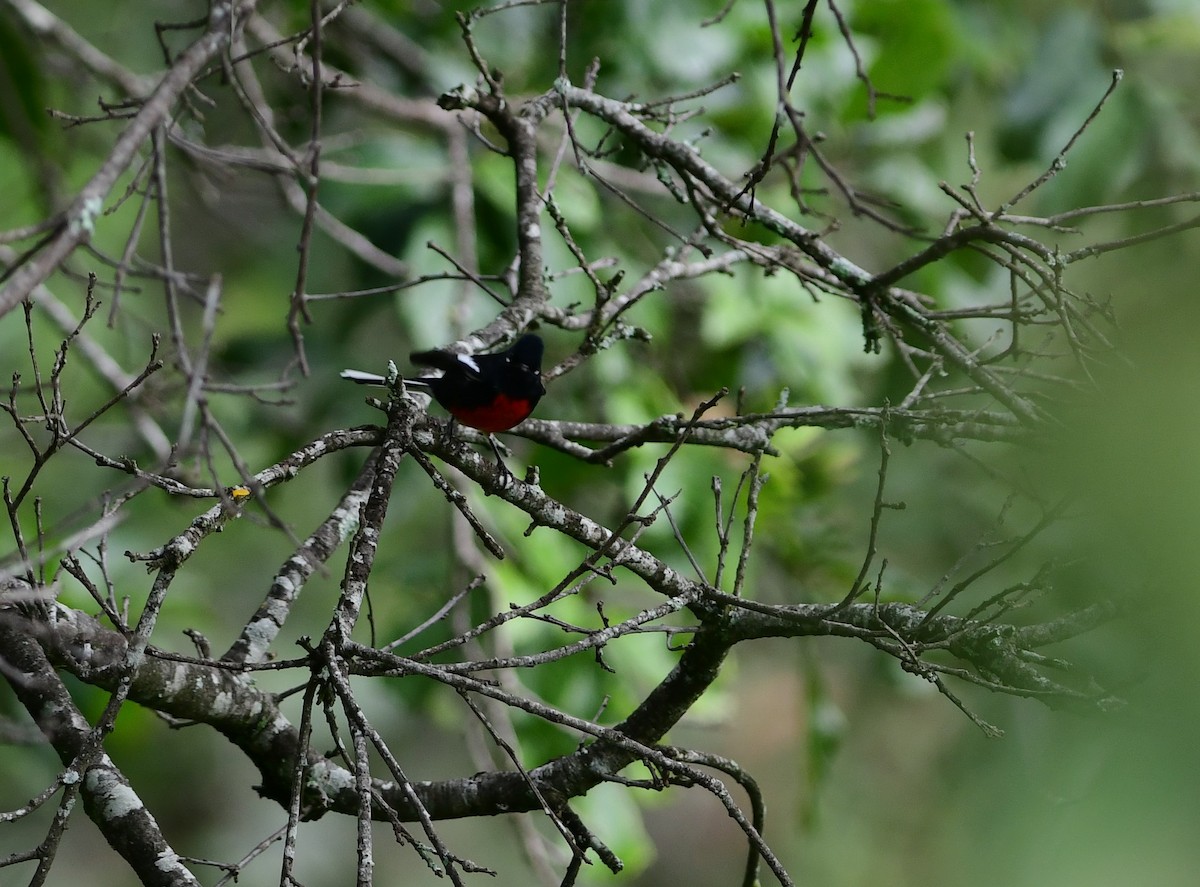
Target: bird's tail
361, 378
443, 360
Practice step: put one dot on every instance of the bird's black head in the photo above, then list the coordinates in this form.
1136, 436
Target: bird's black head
527, 351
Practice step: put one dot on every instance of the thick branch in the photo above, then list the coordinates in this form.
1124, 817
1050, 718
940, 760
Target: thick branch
108, 798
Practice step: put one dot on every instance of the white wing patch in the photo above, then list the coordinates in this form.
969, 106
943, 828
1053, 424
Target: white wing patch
468, 361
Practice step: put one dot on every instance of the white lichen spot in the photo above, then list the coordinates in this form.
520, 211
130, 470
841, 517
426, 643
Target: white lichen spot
261, 632
167, 861
339, 779
114, 799
328, 780
177, 681
533, 232
556, 515
84, 222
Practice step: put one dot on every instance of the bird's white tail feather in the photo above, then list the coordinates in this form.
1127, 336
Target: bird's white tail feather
363, 378
372, 379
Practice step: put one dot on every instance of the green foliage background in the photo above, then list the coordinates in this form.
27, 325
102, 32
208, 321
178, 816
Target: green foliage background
870, 777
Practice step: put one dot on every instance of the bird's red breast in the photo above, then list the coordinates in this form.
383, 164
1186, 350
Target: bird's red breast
500, 414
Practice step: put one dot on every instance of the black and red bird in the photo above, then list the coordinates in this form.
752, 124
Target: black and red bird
487, 392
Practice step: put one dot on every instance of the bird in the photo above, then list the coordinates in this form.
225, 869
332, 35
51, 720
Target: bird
487, 392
